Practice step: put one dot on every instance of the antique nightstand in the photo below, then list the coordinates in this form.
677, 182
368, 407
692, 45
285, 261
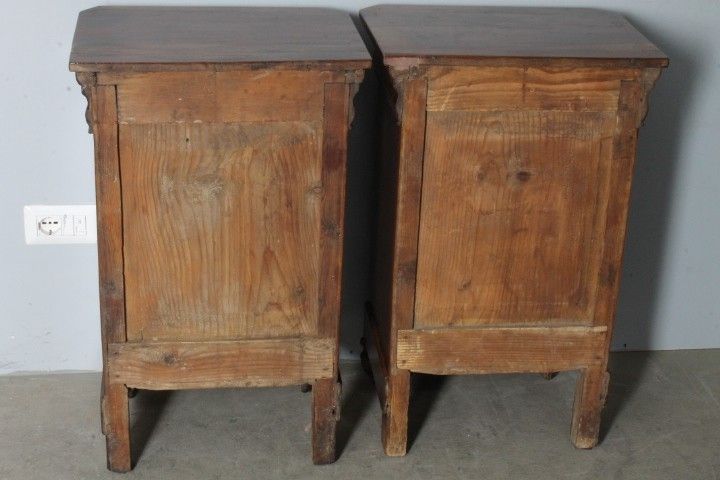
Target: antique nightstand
508, 148
220, 149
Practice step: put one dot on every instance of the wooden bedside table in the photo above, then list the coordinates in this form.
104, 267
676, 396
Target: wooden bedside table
220, 148
508, 150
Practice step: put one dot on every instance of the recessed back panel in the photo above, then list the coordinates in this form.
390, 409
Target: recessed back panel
512, 211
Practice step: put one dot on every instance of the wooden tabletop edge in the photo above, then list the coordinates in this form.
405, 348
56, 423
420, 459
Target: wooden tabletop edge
403, 62
332, 64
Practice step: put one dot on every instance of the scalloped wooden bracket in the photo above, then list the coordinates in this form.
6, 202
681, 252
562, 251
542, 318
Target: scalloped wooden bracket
87, 82
400, 73
354, 78
647, 81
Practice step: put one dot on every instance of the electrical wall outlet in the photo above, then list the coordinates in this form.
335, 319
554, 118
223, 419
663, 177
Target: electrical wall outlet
60, 224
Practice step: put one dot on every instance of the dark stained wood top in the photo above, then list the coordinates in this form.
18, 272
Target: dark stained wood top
133, 38
452, 34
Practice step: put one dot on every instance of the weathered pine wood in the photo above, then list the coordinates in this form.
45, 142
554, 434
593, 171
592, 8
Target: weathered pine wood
527, 186
222, 229
500, 349
590, 393
325, 417
114, 398
525, 135
332, 198
525, 88
221, 97
412, 96
232, 363
326, 392
221, 139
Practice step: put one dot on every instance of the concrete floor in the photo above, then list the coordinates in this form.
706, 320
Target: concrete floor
662, 421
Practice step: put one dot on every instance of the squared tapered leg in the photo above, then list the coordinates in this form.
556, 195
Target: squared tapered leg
590, 394
395, 413
116, 426
325, 417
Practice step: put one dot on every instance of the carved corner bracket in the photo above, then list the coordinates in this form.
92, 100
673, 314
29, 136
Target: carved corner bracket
647, 82
354, 78
87, 82
400, 72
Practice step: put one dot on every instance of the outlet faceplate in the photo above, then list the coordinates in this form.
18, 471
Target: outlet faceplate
60, 224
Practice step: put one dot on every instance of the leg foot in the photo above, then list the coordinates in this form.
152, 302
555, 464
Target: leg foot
116, 425
590, 395
395, 413
326, 413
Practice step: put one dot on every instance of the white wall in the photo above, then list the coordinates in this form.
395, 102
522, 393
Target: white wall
48, 295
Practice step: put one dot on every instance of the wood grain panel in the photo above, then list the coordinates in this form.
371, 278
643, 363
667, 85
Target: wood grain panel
512, 216
500, 350
232, 96
222, 229
243, 363
527, 88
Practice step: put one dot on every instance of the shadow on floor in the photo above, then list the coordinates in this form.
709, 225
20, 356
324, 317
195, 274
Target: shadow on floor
423, 396
358, 397
147, 407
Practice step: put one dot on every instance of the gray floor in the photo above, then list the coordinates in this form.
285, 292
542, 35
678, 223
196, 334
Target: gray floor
662, 422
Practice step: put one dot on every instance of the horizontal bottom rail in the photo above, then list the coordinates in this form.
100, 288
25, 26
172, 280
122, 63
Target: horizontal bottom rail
215, 364
500, 349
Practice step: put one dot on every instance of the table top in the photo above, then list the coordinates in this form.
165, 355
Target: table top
437, 33
116, 38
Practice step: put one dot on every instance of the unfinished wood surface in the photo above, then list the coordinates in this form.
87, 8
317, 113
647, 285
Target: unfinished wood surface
240, 363
222, 229
115, 408
454, 351
326, 392
222, 97
114, 400
109, 213
412, 98
325, 417
590, 394
525, 88
512, 216
332, 194
182, 38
